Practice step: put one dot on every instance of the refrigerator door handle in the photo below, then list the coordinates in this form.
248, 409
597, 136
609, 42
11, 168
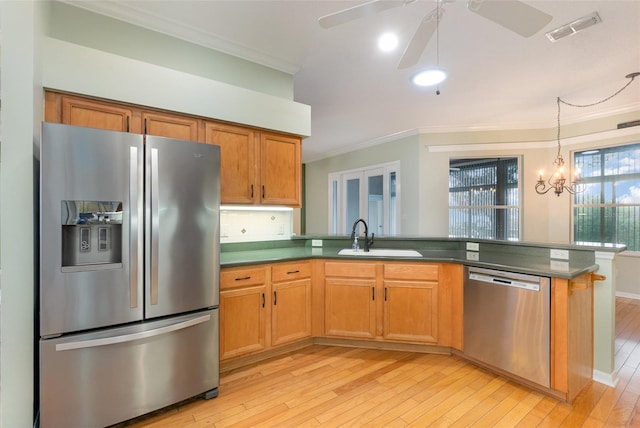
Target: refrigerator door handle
154, 227
91, 343
135, 227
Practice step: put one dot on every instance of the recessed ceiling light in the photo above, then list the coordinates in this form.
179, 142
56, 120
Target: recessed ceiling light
387, 42
429, 77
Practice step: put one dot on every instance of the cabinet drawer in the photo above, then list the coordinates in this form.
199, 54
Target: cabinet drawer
416, 272
234, 278
351, 270
290, 271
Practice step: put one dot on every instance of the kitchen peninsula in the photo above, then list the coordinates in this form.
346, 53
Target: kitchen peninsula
281, 295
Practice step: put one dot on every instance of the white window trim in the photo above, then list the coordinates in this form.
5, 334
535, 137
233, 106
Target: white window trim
363, 173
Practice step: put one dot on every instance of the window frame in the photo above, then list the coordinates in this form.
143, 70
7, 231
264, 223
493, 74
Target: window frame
497, 208
603, 180
363, 173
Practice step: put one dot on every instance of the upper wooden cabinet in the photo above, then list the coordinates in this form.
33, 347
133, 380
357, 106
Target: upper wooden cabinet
78, 111
170, 126
280, 169
258, 167
238, 155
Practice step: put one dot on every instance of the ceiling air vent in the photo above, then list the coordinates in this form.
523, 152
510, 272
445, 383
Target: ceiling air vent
573, 27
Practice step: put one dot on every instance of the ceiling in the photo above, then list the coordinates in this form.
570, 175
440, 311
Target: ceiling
497, 78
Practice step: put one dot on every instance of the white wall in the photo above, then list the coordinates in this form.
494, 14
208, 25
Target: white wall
22, 24
628, 280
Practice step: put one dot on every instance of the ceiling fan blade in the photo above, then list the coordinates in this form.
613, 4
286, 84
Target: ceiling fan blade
513, 15
356, 12
420, 39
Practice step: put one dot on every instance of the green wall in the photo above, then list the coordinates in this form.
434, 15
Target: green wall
316, 185
92, 30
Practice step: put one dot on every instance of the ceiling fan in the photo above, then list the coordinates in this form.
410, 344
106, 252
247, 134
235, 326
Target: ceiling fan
514, 15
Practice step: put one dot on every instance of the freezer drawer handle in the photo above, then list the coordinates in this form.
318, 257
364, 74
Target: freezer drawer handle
91, 343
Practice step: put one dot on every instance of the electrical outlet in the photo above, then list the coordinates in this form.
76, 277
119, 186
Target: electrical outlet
316, 242
559, 254
473, 246
558, 265
472, 255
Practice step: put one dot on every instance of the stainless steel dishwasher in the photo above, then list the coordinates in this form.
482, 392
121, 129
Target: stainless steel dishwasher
507, 319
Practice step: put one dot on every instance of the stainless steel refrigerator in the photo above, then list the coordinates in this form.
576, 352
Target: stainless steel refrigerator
129, 274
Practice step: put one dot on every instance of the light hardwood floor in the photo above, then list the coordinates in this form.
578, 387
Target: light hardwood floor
322, 386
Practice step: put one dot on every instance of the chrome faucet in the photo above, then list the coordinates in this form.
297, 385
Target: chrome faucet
367, 242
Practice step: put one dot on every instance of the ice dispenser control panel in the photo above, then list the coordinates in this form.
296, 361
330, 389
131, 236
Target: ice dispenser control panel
91, 234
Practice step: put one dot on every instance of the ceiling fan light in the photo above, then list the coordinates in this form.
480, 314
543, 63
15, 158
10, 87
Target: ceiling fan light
387, 42
429, 77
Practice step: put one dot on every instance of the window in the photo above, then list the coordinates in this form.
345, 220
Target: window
484, 200
371, 193
608, 210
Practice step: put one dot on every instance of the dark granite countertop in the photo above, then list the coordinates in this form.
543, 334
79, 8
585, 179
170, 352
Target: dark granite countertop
512, 257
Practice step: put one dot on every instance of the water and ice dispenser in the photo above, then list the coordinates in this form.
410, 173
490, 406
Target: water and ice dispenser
91, 235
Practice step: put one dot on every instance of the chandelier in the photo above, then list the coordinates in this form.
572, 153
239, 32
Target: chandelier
557, 181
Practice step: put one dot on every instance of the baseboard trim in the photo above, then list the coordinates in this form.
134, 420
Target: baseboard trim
634, 296
609, 379
386, 346
234, 363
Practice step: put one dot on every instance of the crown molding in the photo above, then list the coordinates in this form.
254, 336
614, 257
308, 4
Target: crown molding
597, 136
137, 16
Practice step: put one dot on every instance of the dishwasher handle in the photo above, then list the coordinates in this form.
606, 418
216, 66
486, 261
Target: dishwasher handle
508, 282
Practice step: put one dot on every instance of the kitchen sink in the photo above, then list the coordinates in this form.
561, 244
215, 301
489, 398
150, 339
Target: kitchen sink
380, 252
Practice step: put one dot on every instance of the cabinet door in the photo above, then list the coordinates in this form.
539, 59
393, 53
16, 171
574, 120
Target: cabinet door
350, 308
242, 321
237, 161
280, 169
411, 311
170, 126
291, 311
93, 114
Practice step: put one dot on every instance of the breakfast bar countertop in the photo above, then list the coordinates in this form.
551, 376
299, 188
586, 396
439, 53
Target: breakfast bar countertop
527, 258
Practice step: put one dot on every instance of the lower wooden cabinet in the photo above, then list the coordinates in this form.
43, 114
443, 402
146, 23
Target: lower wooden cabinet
383, 301
263, 307
243, 311
411, 302
271, 305
291, 305
350, 300
350, 309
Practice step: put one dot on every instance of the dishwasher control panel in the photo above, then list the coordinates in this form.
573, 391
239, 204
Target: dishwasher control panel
533, 286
